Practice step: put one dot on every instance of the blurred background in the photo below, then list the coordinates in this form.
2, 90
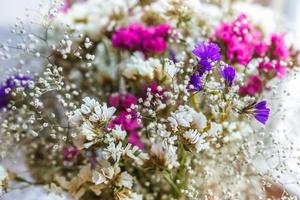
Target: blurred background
289, 9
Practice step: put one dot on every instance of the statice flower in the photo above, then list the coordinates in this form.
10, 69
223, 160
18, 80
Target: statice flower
273, 67
261, 112
11, 84
195, 83
278, 48
136, 37
71, 153
252, 87
240, 39
127, 117
207, 52
228, 74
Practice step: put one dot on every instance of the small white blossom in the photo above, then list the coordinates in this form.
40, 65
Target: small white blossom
138, 67
196, 139
125, 180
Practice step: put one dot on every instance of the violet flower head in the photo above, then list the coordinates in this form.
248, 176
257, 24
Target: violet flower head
228, 74
207, 52
10, 84
261, 112
195, 83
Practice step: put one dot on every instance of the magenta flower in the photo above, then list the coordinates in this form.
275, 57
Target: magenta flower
278, 48
253, 86
122, 101
240, 39
71, 153
136, 37
127, 119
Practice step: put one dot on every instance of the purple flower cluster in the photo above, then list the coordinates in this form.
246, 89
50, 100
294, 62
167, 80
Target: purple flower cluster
208, 52
136, 37
10, 84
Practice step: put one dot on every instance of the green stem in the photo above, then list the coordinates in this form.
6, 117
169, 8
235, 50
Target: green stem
173, 185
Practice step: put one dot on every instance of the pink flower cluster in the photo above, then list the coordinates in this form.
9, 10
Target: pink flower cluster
240, 38
277, 53
136, 37
253, 86
243, 42
127, 117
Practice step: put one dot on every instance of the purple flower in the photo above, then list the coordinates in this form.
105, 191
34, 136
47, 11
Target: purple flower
261, 112
228, 74
207, 52
195, 83
10, 84
71, 153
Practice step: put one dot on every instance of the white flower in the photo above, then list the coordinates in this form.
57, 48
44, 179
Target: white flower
113, 151
125, 180
91, 116
104, 175
136, 154
171, 69
76, 118
196, 139
118, 133
138, 67
199, 120
166, 154
91, 17
98, 178
215, 129
186, 116
104, 113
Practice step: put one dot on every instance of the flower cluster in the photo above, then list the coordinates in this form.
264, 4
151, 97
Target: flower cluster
136, 37
12, 83
173, 105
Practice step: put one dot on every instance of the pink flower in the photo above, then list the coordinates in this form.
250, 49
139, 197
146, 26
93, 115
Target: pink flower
66, 6
278, 47
276, 67
240, 39
127, 119
122, 101
134, 138
253, 86
70, 153
136, 37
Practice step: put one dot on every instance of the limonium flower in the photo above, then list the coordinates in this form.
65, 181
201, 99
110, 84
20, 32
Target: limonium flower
127, 117
278, 47
261, 112
195, 83
136, 37
240, 39
253, 86
10, 84
71, 153
207, 52
228, 74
